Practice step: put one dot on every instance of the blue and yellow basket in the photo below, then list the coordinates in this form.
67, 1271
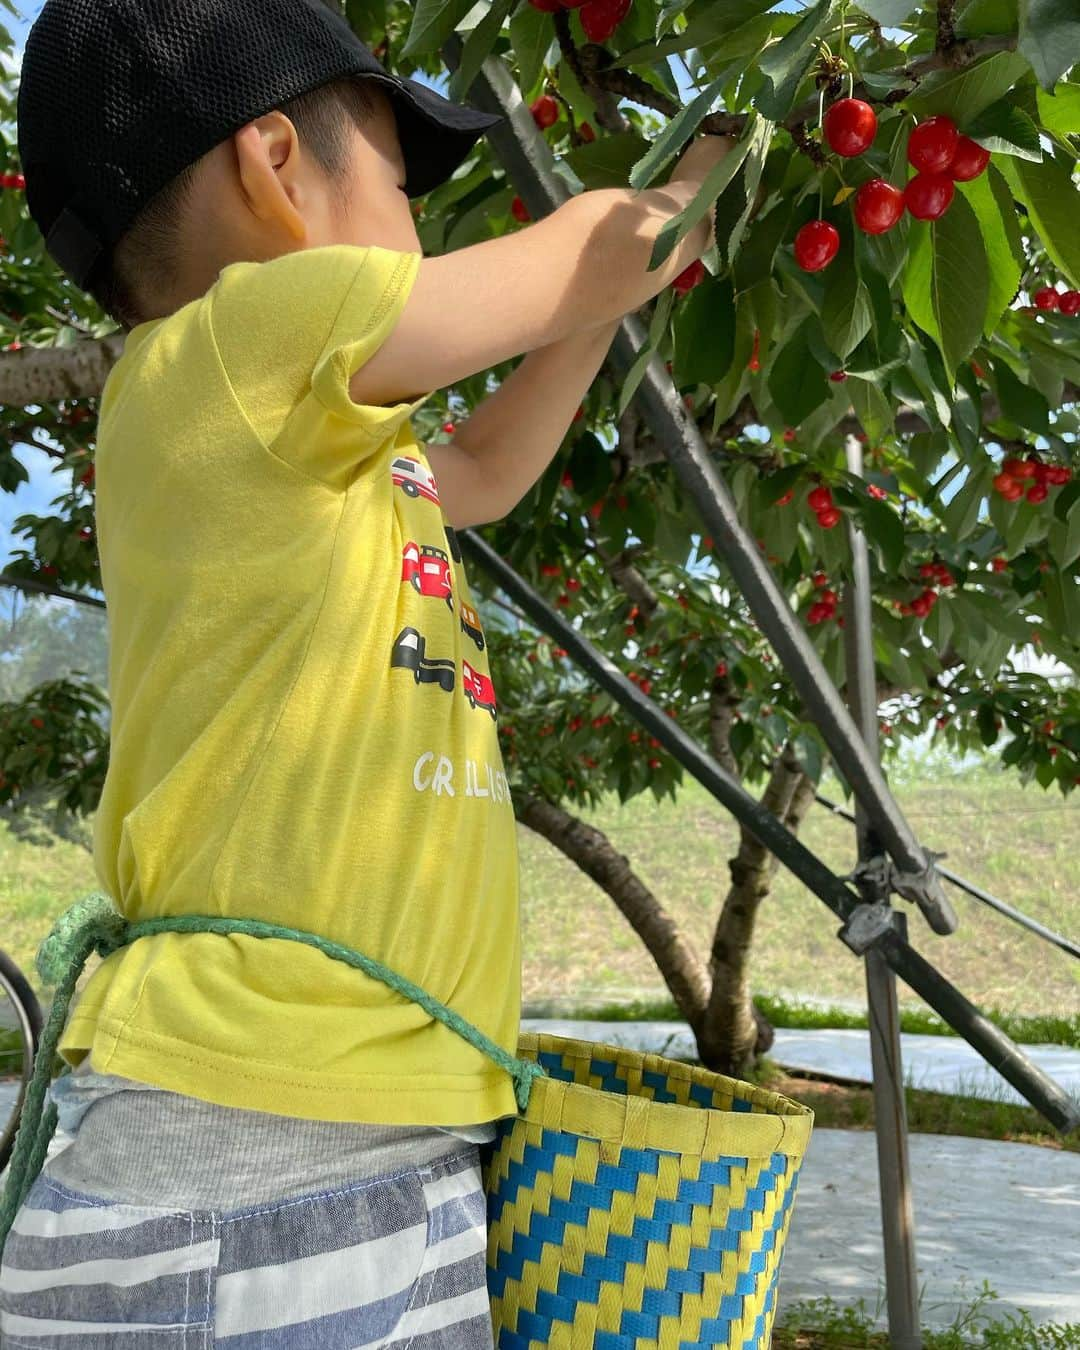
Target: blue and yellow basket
638, 1203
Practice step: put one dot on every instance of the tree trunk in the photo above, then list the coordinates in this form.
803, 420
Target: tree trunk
594, 853
734, 1033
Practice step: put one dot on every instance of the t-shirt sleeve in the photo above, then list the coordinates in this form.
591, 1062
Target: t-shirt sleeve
292, 331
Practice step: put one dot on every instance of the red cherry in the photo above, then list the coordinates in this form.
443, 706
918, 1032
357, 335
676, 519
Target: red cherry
1000, 564
787, 498
850, 127
586, 132
600, 18
546, 6
690, 277
1008, 487
820, 579
519, 210
572, 4
1047, 298
932, 144
721, 669
878, 206
969, 161
819, 499
573, 584
1058, 474
816, 245
789, 435
1070, 303
838, 376
875, 491
1019, 468
928, 195
17, 181
545, 111
828, 518
1038, 492
448, 427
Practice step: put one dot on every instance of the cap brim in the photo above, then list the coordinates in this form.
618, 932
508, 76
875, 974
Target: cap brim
436, 135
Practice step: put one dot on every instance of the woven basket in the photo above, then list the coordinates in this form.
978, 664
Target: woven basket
638, 1202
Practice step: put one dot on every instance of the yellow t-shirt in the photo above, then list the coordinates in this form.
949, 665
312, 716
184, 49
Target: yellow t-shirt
303, 722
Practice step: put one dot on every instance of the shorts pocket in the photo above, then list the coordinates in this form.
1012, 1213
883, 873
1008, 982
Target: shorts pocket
76, 1268
337, 1269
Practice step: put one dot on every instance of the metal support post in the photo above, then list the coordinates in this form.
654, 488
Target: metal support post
890, 1111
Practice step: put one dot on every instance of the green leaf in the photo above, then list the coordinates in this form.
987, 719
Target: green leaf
757, 128
1005, 129
705, 333
1019, 402
1060, 111
963, 95
886, 531
478, 47
988, 18
713, 24
530, 37
797, 382
1000, 237
675, 135
1053, 203
947, 282
786, 63
845, 315
871, 407
609, 160
433, 22
1050, 38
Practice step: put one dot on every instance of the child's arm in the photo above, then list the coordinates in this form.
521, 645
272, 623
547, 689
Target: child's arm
512, 436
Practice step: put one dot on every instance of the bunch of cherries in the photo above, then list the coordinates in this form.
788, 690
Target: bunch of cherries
599, 18
12, 180
1011, 482
937, 151
820, 501
1050, 298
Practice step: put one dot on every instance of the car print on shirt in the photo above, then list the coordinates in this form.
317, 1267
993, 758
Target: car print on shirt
470, 624
414, 479
478, 689
427, 568
408, 652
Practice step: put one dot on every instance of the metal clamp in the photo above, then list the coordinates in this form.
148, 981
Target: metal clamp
867, 925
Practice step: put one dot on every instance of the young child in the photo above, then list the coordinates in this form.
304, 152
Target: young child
271, 1148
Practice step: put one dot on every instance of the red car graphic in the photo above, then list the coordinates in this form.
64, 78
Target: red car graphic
414, 479
428, 570
478, 689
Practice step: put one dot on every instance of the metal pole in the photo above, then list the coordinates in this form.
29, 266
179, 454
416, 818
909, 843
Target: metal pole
861, 930
531, 167
890, 1109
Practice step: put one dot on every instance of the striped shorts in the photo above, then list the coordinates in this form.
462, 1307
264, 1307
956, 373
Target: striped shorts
391, 1261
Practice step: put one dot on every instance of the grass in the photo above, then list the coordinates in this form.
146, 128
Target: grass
821, 1324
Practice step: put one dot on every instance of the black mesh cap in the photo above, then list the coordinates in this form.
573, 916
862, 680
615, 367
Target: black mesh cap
118, 96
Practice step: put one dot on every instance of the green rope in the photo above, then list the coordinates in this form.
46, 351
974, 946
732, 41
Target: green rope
94, 924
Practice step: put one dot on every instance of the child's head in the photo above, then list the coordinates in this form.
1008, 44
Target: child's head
162, 140
326, 168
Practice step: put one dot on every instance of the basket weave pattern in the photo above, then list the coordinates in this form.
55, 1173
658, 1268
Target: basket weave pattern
638, 1202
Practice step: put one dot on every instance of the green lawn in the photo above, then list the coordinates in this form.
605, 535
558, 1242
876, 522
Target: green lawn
1023, 845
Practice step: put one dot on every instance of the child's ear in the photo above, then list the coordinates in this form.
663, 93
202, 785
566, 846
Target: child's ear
268, 158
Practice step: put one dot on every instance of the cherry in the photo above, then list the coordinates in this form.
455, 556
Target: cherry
932, 144
546, 6
838, 376
969, 161
850, 127
721, 669
928, 195
690, 277
754, 364
819, 499
572, 4
586, 132
1000, 564
600, 18
448, 427
1047, 298
875, 491
519, 210
1008, 487
545, 111
828, 518
1019, 468
787, 498
1070, 303
878, 206
1038, 492
816, 245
